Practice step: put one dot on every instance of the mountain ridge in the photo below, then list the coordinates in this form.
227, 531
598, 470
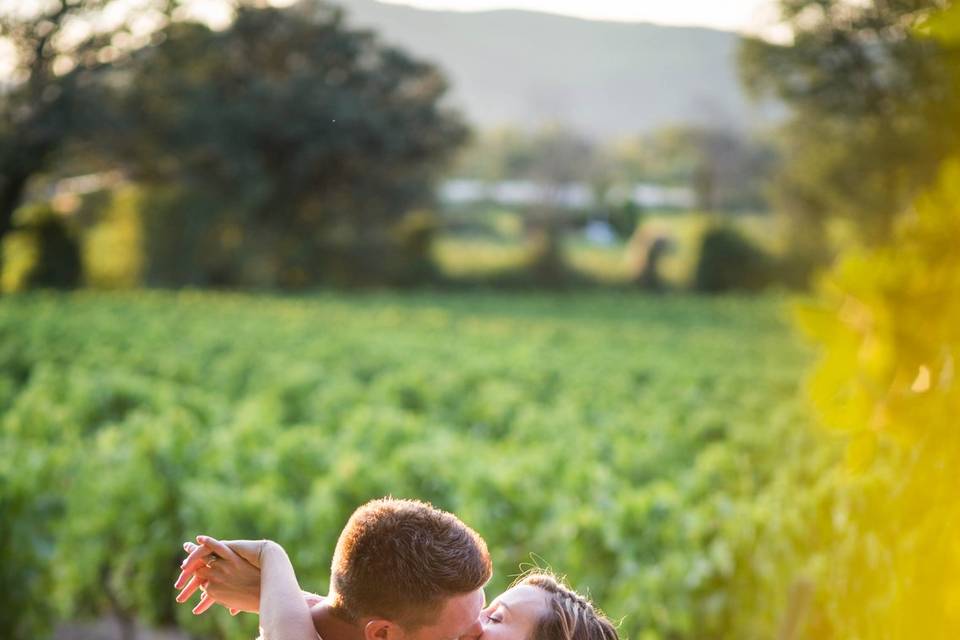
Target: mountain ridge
605, 79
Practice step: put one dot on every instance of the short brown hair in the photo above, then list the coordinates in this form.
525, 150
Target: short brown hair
569, 615
400, 559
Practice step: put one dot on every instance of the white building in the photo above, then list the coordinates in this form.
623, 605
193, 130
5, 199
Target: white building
573, 195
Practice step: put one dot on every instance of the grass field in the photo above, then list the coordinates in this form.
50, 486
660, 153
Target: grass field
654, 449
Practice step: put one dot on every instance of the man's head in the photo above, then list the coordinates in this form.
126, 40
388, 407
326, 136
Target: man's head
408, 571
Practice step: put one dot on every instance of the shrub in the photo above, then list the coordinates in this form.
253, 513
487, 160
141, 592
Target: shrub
45, 250
729, 261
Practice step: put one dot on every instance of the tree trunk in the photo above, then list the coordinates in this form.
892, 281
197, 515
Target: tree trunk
12, 186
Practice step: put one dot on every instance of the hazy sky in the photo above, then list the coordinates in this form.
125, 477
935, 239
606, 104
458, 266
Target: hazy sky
740, 15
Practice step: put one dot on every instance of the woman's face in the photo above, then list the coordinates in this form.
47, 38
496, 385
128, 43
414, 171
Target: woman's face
514, 614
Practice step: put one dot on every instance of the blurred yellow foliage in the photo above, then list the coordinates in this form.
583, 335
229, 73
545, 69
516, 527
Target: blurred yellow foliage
19, 252
113, 252
944, 25
889, 319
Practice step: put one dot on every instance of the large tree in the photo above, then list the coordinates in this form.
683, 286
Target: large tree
871, 110
298, 148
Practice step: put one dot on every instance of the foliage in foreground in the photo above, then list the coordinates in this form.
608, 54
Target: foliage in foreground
889, 321
650, 449
889, 324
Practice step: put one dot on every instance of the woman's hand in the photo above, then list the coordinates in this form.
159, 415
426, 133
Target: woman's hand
227, 572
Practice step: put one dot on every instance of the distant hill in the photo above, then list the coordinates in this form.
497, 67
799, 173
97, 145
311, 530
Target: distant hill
604, 78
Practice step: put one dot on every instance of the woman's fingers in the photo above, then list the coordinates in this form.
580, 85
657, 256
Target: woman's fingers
198, 556
216, 546
195, 559
192, 586
195, 570
205, 603
189, 547
207, 565
181, 580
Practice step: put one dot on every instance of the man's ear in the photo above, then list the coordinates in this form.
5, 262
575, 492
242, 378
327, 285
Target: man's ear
380, 629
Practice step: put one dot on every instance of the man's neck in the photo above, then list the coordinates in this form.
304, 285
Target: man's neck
332, 625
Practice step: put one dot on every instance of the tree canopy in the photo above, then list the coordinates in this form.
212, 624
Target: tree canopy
873, 109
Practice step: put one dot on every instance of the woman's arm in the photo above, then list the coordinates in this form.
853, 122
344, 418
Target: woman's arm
284, 615
233, 580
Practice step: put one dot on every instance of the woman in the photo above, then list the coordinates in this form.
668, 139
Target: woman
540, 607
537, 607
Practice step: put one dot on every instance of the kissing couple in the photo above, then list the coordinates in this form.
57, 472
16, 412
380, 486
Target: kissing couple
402, 570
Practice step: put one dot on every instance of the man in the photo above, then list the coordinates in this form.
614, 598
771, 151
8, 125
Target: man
402, 570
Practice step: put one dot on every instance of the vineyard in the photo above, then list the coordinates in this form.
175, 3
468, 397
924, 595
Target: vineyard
656, 450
